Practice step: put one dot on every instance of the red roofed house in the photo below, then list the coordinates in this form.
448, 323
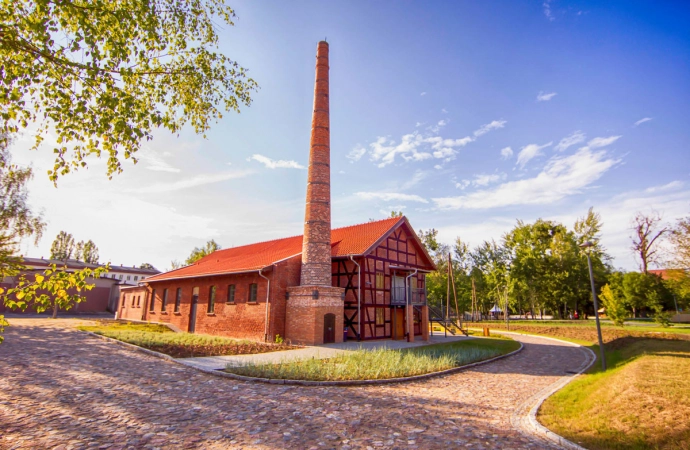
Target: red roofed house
364, 281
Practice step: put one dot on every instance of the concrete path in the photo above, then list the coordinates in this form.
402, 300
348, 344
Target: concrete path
318, 352
62, 389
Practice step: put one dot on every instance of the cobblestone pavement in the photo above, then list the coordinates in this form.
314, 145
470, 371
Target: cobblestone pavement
62, 389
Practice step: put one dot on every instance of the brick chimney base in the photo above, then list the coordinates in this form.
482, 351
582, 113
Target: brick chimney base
305, 314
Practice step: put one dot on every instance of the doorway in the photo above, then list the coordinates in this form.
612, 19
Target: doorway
398, 323
329, 328
192, 312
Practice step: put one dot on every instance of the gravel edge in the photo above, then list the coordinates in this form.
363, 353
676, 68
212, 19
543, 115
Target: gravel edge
223, 374
525, 417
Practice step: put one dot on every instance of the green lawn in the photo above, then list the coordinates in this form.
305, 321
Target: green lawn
180, 345
641, 325
642, 401
383, 363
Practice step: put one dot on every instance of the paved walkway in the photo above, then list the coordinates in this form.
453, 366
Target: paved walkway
62, 389
318, 352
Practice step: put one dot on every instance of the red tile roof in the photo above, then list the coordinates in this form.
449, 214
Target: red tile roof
352, 240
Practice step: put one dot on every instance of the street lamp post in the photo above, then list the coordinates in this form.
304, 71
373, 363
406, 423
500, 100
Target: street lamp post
588, 245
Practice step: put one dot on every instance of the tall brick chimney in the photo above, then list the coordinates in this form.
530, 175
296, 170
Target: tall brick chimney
314, 312
316, 246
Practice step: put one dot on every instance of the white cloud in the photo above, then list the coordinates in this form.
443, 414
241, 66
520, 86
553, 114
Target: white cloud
568, 141
276, 164
530, 152
506, 153
547, 10
602, 141
155, 161
561, 177
673, 185
462, 184
438, 167
444, 111
186, 183
481, 180
391, 197
418, 124
646, 119
418, 147
356, 153
423, 94
490, 126
545, 97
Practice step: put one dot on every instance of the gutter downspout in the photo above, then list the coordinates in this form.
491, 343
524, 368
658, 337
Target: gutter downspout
359, 299
268, 291
407, 297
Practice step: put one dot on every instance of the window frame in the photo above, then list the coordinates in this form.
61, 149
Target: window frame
178, 299
164, 301
152, 306
211, 300
231, 294
253, 291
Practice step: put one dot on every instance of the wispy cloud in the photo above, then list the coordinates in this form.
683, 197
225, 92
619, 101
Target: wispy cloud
602, 141
568, 141
490, 126
191, 182
530, 152
356, 153
561, 177
666, 187
391, 197
276, 164
547, 10
646, 119
419, 147
545, 96
156, 162
423, 94
481, 180
506, 153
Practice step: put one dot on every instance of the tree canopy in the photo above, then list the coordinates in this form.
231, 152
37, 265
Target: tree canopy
198, 253
63, 247
104, 74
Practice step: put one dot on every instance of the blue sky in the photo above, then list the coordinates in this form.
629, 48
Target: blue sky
465, 115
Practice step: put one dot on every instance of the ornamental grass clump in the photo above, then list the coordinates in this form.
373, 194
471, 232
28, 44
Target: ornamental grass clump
377, 364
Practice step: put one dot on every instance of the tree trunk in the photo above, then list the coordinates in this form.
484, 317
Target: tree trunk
55, 310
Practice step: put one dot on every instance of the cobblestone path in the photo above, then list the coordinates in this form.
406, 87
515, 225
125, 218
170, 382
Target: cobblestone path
62, 389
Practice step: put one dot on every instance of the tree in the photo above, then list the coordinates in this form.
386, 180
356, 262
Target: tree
198, 253
147, 266
396, 213
54, 289
63, 246
87, 252
614, 304
646, 232
175, 264
104, 74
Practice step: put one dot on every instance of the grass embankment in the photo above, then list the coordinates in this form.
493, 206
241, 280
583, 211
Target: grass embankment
642, 401
383, 363
180, 345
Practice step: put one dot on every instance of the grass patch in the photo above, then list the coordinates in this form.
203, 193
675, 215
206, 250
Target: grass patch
642, 401
383, 363
180, 345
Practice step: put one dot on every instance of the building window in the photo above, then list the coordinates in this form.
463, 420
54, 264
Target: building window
178, 300
123, 300
413, 283
136, 278
231, 293
120, 277
138, 301
252, 293
380, 284
380, 316
128, 277
152, 306
134, 300
164, 302
211, 300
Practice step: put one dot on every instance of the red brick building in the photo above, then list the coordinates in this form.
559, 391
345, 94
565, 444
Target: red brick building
360, 282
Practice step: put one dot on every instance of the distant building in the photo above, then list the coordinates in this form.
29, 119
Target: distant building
102, 298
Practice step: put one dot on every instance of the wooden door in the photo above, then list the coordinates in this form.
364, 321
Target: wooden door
398, 323
192, 312
329, 328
